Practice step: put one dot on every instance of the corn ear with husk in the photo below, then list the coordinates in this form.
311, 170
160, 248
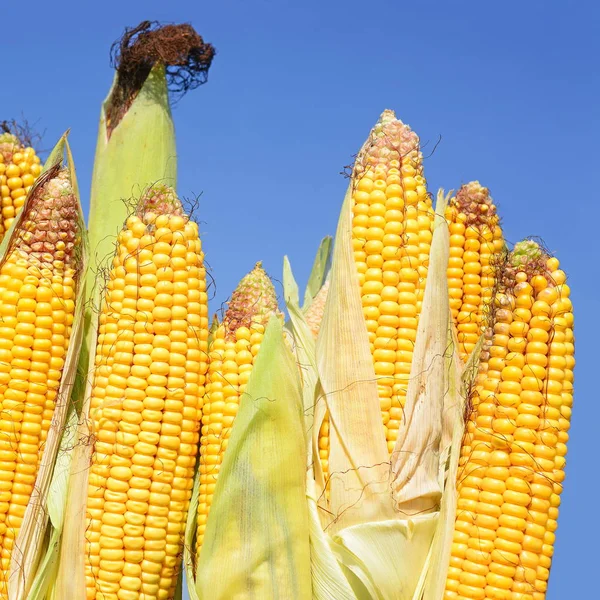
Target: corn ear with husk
381, 518
135, 149
260, 550
50, 223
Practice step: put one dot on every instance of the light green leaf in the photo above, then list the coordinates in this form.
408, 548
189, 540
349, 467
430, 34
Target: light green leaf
319, 271
256, 543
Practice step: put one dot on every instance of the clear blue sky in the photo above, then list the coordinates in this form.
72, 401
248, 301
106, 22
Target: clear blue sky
511, 87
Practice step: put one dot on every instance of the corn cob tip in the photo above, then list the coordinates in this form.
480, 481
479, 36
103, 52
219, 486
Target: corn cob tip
476, 206
390, 139
9, 145
159, 199
527, 262
524, 252
50, 232
253, 302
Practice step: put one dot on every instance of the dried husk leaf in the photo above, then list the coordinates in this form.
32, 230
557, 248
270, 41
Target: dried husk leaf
460, 378
358, 458
56, 504
328, 579
416, 456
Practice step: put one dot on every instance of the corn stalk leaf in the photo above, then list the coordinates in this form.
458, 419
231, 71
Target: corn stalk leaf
28, 546
139, 152
261, 548
319, 271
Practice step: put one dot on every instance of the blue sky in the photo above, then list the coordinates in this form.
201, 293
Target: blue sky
292, 94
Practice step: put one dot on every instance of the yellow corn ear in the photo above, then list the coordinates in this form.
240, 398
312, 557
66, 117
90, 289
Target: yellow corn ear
233, 350
150, 368
513, 456
39, 278
476, 248
19, 168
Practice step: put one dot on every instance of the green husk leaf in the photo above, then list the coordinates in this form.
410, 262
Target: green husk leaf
29, 544
261, 549
358, 458
319, 271
139, 152
328, 579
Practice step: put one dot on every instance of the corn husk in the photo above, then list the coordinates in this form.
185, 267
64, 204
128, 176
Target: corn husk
46, 503
139, 152
328, 579
382, 515
460, 378
260, 549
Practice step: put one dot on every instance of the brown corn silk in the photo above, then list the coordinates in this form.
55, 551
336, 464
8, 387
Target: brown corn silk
234, 347
19, 168
513, 455
476, 249
148, 385
39, 283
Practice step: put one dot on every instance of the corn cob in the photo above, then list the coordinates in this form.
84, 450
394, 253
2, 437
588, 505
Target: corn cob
513, 457
19, 168
476, 245
234, 347
150, 369
391, 236
38, 286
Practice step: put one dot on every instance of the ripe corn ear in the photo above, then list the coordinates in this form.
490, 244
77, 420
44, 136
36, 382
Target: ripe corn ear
19, 168
476, 247
513, 456
234, 347
392, 227
150, 368
39, 281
